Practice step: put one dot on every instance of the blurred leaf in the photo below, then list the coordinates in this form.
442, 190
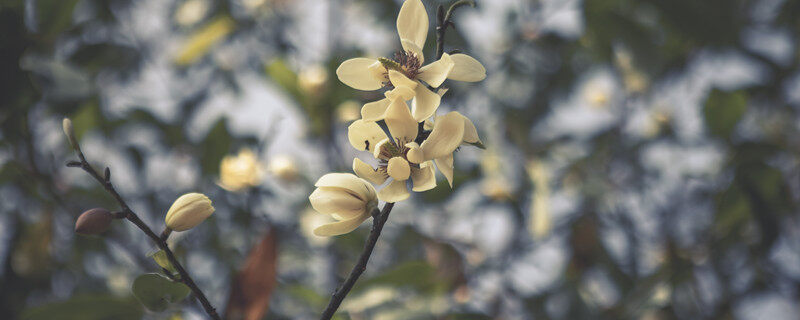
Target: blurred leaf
280, 72
307, 295
252, 288
61, 81
86, 118
87, 307
203, 39
723, 110
53, 16
215, 146
416, 274
161, 259
156, 292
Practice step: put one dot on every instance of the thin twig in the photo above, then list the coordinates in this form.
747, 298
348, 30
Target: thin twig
378, 220
444, 20
132, 217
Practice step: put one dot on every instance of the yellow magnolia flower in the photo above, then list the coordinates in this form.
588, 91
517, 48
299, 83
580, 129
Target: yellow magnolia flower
188, 211
446, 131
346, 198
404, 158
240, 171
405, 73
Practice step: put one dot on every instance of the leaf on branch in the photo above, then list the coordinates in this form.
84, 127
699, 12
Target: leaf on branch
252, 287
156, 292
161, 259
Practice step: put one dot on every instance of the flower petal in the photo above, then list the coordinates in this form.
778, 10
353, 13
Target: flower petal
375, 111
424, 104
446, 136
398, 169
435, 73
398, 79
341, 227
445, 166
423, 178
367, 172
414, 153
364, 135
396, 191
348, 181
330, 200
357, 74
401, 124
412, 22
470, 132
404, 93
466, 68
410, 46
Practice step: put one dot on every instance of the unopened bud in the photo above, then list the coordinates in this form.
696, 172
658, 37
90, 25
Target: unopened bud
188, 211
93, 221
67, 125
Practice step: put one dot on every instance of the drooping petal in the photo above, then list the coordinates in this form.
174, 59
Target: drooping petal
445, 166
470, 132
466, 68
410, 46
398, 169
424, 177
364, 135
412, 22
357, 74
403, 93
446, 136
400, 80
348, 181
414, 153
424, 104
329, 200
435, 73
341, 227
366, 172
396, 191
374, 111
401, 124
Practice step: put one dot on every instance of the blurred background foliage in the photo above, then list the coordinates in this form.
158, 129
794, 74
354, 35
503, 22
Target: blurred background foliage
642, 159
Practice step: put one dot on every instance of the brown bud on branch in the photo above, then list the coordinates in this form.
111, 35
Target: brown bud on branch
94, 221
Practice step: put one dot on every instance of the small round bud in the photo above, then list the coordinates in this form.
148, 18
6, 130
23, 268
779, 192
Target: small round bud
94, 221
188, 211
67, 126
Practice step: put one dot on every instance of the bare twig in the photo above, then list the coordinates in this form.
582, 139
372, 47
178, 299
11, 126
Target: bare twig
105, 181
444, 20
378, 220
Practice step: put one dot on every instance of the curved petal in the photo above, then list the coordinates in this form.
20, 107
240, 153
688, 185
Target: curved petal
446, 136
435, 73
341, 227
401, 124
423, 178
412, 22
424, 104
398, 169
366, 172
379, 153
414, 154
364, 135
410, 46
363, 189
445, 166
398, 79
375, 111
396, 191
357, 74
466, 68
470, 132
337, 201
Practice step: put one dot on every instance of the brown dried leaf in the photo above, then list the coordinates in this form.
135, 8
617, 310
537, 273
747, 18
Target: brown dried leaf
252, 287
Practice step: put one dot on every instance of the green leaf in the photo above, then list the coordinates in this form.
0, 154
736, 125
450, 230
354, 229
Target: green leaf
87, 307
723, 110
280, 72
156, 292
214, 147
161, 258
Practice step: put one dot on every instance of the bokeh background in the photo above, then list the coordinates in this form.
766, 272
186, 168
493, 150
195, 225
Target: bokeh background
642, 159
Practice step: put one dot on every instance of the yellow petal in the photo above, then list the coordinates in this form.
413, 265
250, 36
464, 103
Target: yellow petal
445, 166
401, 124
379, 148
357, 74
414, 153
466, 68
364, 135
338, 201
446, 136
375, 111
348, 181
412, 22
396, 191
366, 172
188, 211
470, 132
341, 227
400, 80
398, 169
423, 178
403, 93
435, 73
424, 104
410, 46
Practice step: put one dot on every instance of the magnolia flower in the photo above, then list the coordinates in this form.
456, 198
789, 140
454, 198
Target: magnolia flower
459, 130
405, 73
346, 198
188, 211
240, 171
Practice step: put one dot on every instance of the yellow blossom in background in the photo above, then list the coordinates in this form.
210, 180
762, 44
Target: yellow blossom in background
283, 167
190, 12
539, 223
633, 78
405, 74
203, 39
495, 185
188, 211
312, 79
240, 171
348, 111
347, 198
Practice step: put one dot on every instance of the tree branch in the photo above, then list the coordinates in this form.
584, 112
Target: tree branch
128, 214
444, 20
378, 220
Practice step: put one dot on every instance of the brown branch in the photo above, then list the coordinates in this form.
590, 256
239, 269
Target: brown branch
105, 181
378, 220
444, 20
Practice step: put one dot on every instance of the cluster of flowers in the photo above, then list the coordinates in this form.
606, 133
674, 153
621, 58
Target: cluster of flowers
188, 211
405, 141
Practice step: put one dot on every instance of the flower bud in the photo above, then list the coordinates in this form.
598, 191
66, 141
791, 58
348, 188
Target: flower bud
188, 211
93, 221
346, 198
67, 126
